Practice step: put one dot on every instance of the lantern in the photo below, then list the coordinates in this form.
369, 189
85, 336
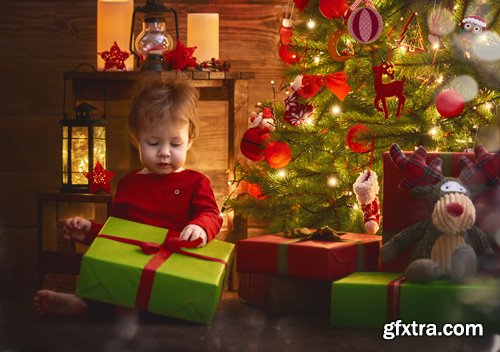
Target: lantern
83, 144
150, 46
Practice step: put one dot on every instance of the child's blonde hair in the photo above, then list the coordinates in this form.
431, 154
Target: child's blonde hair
161, 101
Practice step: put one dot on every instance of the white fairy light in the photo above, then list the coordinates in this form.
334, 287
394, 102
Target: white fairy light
316, 60
282, 173
355, 207
440, 79
488, 105
433, 131
311, 24
332, 181
336, 109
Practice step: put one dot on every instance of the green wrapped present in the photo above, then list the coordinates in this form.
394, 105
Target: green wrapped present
371, 299
136, 265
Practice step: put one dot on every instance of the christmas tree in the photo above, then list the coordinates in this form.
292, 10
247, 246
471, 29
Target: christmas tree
361, 77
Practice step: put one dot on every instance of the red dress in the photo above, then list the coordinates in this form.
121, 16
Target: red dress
170, 201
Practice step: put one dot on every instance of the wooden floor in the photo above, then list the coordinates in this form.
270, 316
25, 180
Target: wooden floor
236, 327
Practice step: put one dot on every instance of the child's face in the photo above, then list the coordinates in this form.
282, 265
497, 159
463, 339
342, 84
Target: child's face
163, 149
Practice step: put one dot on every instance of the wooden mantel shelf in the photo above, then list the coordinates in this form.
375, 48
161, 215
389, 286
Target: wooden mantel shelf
135, 75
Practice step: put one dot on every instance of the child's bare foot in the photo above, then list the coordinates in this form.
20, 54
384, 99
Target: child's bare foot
53, 303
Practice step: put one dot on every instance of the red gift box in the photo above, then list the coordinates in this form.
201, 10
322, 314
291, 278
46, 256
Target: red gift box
321, 260
401, 209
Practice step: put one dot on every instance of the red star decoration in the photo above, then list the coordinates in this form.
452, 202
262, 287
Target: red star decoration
114, 58
181, 57
99, 178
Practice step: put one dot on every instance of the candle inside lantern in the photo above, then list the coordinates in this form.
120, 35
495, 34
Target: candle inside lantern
203, 33
114, 19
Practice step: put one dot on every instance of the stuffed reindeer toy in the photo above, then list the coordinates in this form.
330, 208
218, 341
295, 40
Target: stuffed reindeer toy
448, 244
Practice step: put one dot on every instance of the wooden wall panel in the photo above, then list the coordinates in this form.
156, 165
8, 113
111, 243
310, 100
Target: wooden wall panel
43, 39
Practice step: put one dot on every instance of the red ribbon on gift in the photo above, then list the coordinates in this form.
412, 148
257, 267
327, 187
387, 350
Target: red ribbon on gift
394, 297
160, 252
336, 82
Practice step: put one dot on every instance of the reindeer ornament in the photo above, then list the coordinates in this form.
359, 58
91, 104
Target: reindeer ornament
385, 90
448, 244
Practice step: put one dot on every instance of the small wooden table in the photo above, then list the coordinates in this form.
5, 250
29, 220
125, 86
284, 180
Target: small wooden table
55, 254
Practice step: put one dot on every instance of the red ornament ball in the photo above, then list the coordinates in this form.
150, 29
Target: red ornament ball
255, 191
450, 103
365, 24
287, 55
278, 154
354, 134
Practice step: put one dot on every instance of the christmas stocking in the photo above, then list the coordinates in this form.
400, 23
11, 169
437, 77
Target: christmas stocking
366, 190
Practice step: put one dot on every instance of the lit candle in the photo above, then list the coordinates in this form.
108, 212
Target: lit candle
114, 19
203, 33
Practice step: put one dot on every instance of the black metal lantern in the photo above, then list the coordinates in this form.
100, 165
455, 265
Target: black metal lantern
154, 41
83, 143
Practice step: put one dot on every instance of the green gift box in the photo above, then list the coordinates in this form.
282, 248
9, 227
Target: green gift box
181, 286
372, 299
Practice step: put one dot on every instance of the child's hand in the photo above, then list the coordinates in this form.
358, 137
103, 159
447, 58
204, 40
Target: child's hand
76, 229
192, 232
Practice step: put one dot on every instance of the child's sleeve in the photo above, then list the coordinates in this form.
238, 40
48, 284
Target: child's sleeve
207, 214
93, 232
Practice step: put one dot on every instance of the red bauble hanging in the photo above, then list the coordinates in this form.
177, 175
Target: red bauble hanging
278, 154
365, 24
333, 8
450, 103
354, 135
288, 55
255, 191
328, 8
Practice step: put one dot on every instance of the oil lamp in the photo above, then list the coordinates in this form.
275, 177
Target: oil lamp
154, 41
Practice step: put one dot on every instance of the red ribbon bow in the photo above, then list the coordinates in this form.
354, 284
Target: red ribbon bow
160, 252
335, 82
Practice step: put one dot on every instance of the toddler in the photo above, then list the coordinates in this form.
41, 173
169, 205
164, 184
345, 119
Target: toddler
163, 123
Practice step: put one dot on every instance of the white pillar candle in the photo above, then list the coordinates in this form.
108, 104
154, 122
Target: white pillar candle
114, 19
203, 33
